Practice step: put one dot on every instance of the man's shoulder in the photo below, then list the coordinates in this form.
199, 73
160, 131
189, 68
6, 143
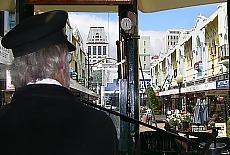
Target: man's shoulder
95, 113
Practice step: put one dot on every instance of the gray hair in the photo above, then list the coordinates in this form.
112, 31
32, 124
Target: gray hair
44, 63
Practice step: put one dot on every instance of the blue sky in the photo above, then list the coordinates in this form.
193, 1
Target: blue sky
177, 18
170, 19
153, 24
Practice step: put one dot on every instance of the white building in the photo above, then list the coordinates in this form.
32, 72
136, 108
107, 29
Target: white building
170, 40
97, 45
144, 52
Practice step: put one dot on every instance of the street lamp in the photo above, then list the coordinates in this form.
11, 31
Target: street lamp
179, 80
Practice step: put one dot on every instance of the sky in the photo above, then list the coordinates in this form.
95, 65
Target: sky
150, 24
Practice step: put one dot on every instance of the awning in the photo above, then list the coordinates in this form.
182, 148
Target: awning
7, 5
145, 6
82, 92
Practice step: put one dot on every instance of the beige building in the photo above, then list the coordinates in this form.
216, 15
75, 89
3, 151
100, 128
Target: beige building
201, 57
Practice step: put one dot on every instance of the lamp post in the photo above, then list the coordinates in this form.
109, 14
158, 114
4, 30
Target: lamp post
179, 80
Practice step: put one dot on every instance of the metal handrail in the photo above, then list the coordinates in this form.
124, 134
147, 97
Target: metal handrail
210, 137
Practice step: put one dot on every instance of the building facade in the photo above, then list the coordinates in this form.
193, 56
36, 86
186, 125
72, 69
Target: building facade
97, 46
201, 57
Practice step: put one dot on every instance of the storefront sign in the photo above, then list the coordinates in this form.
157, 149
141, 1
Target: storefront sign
221, 129
6, 55
9, 85
144, 84
196, 128
222, 84
196, 66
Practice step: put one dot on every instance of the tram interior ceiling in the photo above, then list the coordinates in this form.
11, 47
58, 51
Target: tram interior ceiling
145, 6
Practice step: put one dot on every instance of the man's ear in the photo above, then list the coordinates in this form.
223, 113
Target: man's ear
63, 66
60, 77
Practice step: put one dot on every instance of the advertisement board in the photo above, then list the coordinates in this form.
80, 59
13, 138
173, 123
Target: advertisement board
221, 129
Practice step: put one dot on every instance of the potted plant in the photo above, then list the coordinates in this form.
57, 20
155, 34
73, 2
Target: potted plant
186, 121
174, 120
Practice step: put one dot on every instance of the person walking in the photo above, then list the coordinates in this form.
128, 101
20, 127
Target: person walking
44, 117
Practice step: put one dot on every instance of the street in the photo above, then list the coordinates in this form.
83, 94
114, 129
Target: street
159, 125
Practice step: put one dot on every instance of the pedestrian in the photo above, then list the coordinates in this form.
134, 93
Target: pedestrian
147, 119
150, 119
44, 117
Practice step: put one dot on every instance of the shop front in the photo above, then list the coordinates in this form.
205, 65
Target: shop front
6, 88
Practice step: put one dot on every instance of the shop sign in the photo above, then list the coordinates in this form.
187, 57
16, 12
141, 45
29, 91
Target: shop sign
222, 84
6, 55
144, 84
192, 88
196, 128
221, 129
9, 85
196, 66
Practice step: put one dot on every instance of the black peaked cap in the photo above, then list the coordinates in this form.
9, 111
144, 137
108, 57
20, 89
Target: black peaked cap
38, 32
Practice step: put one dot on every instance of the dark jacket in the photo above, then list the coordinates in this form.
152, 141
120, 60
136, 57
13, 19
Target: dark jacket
45, 119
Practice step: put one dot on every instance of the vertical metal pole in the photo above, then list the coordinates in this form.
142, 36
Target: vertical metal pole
88, 74
135, 76
123, 134
132, 74
2, 23
180, 101
119, 59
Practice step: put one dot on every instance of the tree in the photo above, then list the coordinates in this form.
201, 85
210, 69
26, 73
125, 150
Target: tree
152, 100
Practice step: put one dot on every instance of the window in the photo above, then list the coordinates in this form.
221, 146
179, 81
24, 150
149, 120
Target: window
144, 43
99, 50
94, 50
144, 50
104, 50
175, 73
144, 58
89, 50
97, 35
144, 66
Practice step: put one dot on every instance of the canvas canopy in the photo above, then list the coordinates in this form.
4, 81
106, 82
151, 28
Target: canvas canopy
145, 6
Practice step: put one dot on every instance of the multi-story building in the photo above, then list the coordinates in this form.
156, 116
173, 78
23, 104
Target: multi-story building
170, 39
144, 52
79, 64
97, 46
201, 57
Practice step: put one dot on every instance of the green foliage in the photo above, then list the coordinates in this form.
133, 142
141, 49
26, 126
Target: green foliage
228, 125
152, 100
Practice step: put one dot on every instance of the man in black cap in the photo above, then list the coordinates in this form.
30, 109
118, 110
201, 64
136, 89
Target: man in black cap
44, 118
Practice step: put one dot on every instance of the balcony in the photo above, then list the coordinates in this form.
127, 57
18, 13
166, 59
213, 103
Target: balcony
225, 62
224, 58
